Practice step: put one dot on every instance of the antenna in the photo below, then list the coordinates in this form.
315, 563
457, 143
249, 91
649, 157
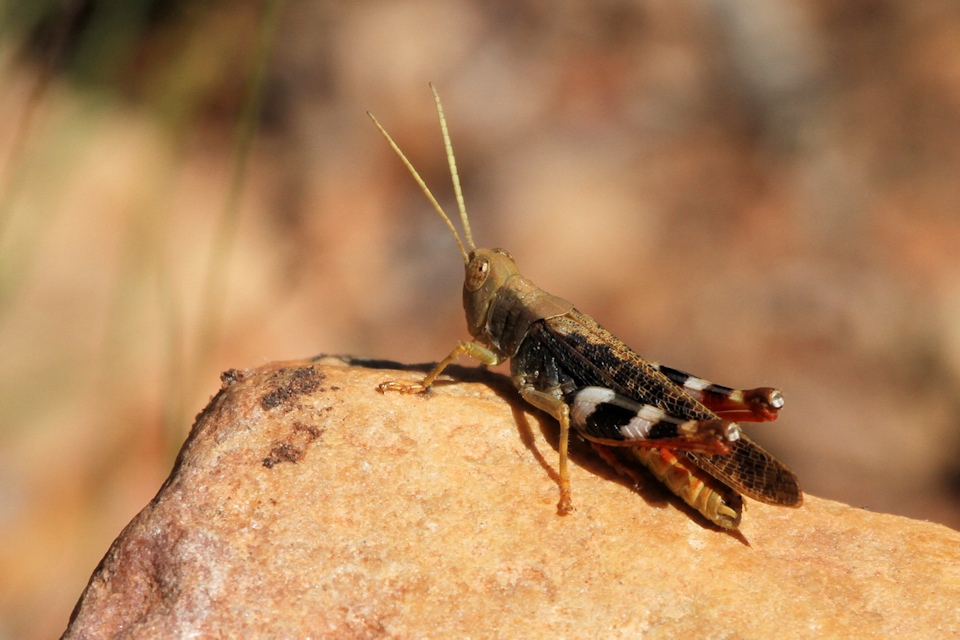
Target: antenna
451, 160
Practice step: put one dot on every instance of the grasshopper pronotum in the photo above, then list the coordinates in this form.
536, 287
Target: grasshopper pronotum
561, 361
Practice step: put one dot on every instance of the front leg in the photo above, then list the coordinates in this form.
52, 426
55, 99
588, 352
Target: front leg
746, 405
473, 349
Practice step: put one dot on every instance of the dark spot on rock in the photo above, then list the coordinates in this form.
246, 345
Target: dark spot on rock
283, 452
294, 447
312, 431
274, 398
231, 376
302, 381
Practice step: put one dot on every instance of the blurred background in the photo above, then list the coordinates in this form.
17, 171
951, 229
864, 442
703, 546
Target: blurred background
760, 192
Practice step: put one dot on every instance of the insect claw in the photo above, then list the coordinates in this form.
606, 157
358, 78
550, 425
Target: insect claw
764, 402
401, 387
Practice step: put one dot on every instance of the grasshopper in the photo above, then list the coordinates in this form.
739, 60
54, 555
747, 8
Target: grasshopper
679, 426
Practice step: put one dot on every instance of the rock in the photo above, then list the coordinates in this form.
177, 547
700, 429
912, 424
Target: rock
304, 503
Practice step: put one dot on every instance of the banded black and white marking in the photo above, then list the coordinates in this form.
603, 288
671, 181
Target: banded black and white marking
604, 416
696, 387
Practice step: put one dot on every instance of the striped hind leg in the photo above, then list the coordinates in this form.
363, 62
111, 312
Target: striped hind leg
606, 417
745, 405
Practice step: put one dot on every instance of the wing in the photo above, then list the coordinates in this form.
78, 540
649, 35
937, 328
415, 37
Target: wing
753, 472
591, 356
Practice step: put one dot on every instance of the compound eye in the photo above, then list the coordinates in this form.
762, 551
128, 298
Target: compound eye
477, 272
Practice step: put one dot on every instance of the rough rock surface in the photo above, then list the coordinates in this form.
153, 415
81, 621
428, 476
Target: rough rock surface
306, 504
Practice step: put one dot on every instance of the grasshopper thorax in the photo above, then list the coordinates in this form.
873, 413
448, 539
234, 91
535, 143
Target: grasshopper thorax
500, 304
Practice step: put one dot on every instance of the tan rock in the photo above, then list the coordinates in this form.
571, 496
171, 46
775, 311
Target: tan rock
306, 504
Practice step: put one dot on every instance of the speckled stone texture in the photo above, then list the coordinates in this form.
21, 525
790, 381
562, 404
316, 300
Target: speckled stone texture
304, 503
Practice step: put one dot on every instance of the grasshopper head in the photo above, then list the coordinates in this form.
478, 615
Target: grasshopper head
487, 270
